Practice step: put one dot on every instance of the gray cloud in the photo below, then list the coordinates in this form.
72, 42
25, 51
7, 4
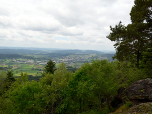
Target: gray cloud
4, 11
84, 23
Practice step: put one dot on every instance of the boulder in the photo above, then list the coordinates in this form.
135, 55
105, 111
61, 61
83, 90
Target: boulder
140, 90
142, 108
140, 95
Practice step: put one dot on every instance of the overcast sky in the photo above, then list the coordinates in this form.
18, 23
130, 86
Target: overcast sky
66, 24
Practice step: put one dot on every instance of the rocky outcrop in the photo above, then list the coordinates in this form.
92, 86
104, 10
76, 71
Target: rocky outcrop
139, 94
140, 90
142, 108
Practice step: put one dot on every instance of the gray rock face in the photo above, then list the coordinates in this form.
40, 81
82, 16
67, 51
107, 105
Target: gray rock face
143, 108
140, 90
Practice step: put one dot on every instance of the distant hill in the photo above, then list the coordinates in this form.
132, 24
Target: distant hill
15, 56
43, 51
21, 51
64, 53
77, 51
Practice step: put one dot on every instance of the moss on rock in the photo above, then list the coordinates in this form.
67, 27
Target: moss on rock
142, 108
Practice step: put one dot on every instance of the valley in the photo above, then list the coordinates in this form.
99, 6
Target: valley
33, 61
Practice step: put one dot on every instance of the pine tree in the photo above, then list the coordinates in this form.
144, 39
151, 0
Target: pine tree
135, 38
9, 79
49, 68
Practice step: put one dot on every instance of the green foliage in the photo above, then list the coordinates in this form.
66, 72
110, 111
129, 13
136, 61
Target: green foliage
90, 90
135, 38
9, 79
5, 106
50, 67
141, 11
55, 88
47, 79
92, 85
24, 77
25, 99
127, 73
2, 75
146, 62
128, 104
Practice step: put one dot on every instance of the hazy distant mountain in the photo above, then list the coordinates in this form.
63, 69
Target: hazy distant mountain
108, 51
20, 51
77, 51
32, 50
29, 51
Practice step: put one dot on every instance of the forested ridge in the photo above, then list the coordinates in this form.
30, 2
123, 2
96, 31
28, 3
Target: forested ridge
93, 88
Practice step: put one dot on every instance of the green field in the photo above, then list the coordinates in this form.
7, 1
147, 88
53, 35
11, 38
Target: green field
36, 65
31, 68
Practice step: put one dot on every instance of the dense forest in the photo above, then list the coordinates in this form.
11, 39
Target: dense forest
93, 87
